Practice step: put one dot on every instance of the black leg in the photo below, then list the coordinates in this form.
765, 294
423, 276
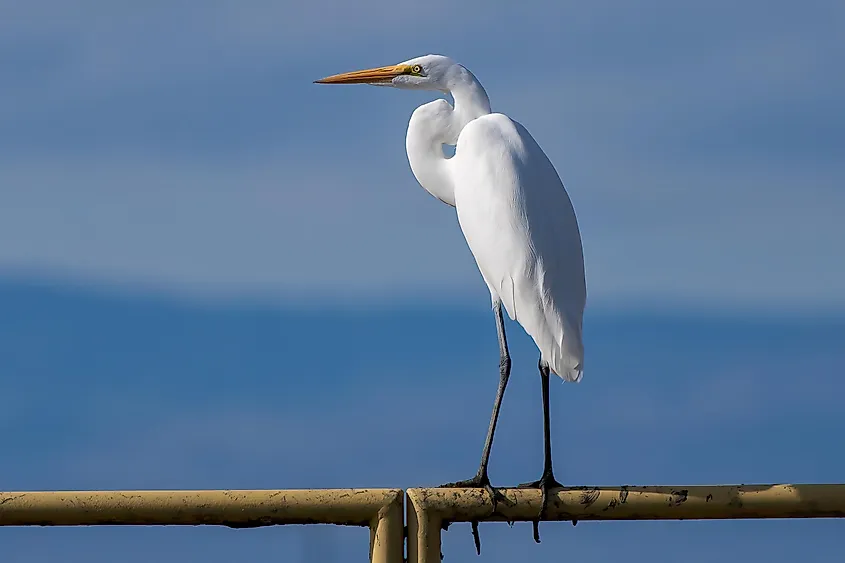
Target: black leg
481, 479
547, 481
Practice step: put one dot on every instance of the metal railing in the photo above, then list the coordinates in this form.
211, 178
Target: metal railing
428, 510
379, 509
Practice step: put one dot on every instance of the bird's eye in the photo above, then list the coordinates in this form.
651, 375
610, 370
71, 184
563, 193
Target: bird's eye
416, 69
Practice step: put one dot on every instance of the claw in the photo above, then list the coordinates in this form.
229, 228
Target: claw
480, 481
546, 483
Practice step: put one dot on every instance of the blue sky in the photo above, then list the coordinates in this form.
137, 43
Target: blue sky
700, 144
209, 265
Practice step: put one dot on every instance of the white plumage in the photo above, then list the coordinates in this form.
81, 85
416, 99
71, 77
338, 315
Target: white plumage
513, 209
521, 228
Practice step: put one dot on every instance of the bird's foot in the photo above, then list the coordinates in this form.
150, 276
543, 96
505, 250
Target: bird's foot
546, 483
480, 481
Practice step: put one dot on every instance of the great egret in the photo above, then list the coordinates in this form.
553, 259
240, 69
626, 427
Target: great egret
516, 217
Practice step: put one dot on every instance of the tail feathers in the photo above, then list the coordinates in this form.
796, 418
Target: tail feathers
565, 357
558, 341
566, 367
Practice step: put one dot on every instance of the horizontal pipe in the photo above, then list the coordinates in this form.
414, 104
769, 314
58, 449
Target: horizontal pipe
430, 510
638, 503
234, 508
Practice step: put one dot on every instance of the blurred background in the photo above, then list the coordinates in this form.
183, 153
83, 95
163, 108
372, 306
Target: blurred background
216, 274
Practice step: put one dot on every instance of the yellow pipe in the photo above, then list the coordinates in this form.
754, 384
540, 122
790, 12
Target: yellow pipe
429, 509
379, 509
387, 530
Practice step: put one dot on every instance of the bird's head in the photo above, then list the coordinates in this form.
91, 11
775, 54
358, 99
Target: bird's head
430, 72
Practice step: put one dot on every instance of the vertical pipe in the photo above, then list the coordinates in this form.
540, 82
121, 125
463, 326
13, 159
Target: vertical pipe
387, 532
423, 531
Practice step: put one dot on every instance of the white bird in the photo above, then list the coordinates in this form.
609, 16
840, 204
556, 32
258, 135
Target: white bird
516, 217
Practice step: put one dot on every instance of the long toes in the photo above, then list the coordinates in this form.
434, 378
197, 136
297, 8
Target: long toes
531, 485
496, 496
473, 483
544, 504
547, 488
551, 483
545, 484
536, 524
475, 537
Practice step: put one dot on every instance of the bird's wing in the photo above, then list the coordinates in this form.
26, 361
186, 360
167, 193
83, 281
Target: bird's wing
521, 228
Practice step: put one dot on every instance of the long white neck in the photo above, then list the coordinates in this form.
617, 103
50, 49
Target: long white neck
438, 123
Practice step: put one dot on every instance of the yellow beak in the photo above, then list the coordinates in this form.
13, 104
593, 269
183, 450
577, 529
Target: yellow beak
379, 75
